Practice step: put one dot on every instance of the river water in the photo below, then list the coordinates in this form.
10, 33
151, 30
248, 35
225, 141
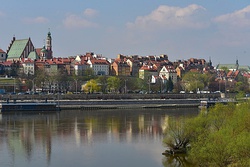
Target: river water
107, 138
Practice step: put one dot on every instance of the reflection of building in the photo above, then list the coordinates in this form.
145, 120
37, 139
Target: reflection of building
42, 135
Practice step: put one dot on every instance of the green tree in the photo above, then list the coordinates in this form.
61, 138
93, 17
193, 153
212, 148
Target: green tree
170, 84
219, 137
89, 72
241, 84
91, 86
176, 138
224, 68
192, 81
102, 81
225, 139
113, 83
135, 83
40, 77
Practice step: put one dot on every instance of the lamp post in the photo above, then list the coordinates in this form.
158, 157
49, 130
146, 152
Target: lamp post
76, 85
125, 89
14, 86
149, 84
33, 85
161, 80
219, 85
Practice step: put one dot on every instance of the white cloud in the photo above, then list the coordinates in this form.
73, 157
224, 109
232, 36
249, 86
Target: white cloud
90, 12
170, 18
36, 20
240, 18
74, 21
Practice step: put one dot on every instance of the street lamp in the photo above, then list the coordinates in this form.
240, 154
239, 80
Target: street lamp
125, 89
76, 85
149, 84
14, 86
33, 85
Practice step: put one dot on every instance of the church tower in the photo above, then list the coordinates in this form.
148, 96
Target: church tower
49, 46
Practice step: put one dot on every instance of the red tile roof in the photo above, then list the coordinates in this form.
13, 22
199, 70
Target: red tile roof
1, 51
99, 61
148, 68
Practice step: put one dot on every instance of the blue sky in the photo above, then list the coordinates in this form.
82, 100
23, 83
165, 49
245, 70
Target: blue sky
219, 29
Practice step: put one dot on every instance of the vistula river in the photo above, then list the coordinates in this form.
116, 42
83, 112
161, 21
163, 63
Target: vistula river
107, 138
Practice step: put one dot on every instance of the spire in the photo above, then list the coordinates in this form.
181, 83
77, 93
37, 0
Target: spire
49, 44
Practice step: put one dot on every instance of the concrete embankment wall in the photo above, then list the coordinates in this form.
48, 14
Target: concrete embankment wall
128, 104
115, 101
109, 96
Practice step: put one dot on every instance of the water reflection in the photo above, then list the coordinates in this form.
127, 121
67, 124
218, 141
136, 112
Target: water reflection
38, 140
176, 161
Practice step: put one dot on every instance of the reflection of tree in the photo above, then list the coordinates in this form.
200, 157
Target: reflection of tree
176, 161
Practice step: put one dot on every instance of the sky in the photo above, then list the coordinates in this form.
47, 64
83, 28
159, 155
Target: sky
216, 29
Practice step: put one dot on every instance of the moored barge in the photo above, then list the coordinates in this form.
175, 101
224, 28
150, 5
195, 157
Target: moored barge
32, 107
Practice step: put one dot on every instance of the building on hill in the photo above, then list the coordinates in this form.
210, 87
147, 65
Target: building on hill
134, 65
232, 67
120, 68
3, 55
232, 75
28, 67
80, 68
168, 72
99, 66
46, 51
244, 68
19, 49
146, 72
180, 71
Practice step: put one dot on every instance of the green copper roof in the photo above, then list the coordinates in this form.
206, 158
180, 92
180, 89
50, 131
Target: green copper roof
44, 50
244, 68
228, 66
33, 55
17, 48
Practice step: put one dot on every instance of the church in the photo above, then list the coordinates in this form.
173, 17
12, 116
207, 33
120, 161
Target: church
46, 51
24, 49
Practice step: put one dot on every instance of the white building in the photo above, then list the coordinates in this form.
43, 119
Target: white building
28, 67
99, 66
168, 71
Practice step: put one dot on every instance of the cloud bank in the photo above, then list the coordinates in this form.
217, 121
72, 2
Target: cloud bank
169, 17
239, 18
73, 21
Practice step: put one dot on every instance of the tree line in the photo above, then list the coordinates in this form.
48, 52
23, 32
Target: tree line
90, 83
